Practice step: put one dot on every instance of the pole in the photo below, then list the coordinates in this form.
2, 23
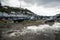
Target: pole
20, 3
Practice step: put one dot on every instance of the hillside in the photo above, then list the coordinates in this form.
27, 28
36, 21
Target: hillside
8, 9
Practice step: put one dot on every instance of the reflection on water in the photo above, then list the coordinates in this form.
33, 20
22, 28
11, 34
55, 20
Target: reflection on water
41, 32
43, 28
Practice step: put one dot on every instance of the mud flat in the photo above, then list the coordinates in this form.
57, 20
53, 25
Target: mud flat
33, 30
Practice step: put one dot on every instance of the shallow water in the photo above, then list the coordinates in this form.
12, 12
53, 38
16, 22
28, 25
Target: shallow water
41, 32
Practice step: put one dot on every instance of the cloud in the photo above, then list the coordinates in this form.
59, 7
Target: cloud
47, 3
13, 3
40, 10
40, 7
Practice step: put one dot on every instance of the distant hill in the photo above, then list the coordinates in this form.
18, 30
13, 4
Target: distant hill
8, 9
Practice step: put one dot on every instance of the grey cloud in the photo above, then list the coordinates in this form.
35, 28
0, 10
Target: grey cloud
44, 2
4, 1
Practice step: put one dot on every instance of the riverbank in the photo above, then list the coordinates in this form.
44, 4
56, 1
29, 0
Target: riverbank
24, 23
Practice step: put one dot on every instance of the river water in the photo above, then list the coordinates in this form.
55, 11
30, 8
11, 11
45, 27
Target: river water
40, 32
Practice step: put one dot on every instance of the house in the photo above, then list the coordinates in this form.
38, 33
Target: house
57, 17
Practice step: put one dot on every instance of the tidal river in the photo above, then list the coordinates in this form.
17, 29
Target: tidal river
41, 32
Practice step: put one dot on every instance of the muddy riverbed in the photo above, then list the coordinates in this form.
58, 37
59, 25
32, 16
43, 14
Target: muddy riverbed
40, 32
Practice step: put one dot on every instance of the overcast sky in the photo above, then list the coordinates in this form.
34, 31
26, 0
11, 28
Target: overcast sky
40, 7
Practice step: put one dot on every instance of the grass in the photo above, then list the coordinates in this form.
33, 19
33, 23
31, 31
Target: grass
30, 22
24, 23
2, 24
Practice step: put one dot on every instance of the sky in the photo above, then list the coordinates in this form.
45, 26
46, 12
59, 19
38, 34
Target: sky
40, 7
